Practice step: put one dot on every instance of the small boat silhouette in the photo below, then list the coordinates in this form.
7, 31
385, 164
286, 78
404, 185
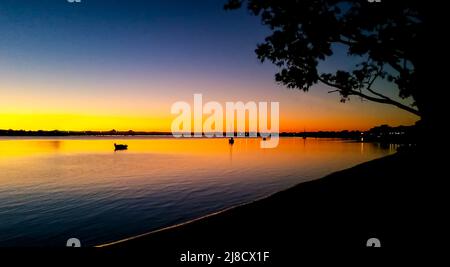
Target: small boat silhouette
120, 147
231, 141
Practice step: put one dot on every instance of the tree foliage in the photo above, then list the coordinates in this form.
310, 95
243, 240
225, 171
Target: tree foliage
385, 37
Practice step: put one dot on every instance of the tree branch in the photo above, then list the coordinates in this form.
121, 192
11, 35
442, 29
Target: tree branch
369, 86
349, 42
383, 100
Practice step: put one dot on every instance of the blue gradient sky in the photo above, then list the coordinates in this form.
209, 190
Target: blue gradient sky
69, 66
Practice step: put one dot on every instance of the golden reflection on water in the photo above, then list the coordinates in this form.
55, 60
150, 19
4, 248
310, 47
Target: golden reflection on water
195, 146
155, 183
24, 147
90, 162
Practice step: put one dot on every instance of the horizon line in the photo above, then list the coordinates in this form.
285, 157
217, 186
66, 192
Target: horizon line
137, 132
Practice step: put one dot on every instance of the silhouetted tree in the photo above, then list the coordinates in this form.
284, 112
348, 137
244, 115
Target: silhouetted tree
387, 37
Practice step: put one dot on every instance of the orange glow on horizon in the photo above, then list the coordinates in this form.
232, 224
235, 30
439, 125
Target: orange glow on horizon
88, 110
82, 122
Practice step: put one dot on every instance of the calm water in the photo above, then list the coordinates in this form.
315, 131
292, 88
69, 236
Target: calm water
54, 189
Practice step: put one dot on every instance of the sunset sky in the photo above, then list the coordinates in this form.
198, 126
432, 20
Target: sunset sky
116, 64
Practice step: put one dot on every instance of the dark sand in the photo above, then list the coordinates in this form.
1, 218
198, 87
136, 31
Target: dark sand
386, 198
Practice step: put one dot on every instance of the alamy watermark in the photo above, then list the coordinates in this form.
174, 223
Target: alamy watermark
235, 114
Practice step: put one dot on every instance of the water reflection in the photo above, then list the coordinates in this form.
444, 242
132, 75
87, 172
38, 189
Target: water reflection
54, 188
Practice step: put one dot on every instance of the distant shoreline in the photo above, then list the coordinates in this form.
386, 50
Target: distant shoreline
337, 134
383, 134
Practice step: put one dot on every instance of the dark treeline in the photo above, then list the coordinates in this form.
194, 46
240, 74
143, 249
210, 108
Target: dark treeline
400, 134
77, 133
383, 133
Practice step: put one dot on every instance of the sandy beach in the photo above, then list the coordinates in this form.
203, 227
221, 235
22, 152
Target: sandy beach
344, 209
